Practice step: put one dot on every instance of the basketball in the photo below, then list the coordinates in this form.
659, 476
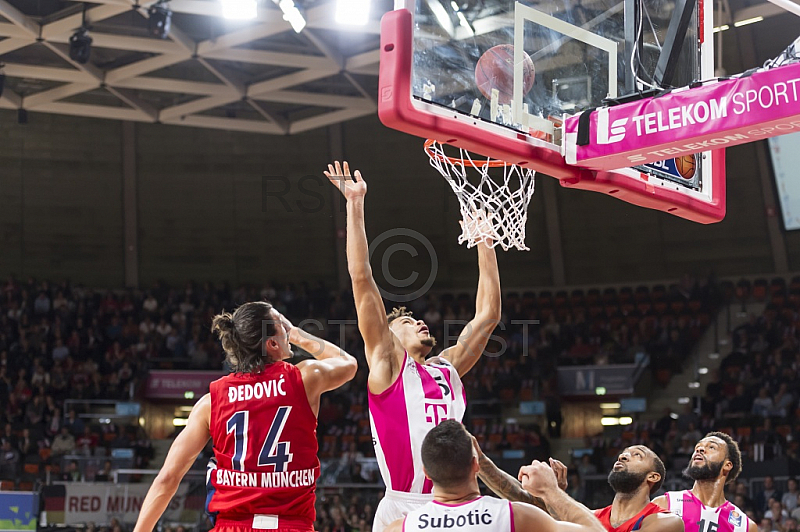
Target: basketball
495, 70
686, 166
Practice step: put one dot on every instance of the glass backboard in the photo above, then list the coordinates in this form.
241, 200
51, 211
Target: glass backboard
498, 77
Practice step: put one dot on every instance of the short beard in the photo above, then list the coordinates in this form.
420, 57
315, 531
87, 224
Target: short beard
430, 341
707, 471
625, 481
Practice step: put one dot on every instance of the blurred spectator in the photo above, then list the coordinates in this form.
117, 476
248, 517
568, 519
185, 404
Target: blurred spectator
63, 443
105, 474
72, 472
9, 461
789, 499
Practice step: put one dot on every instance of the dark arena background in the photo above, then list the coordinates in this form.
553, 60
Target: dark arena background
152, 178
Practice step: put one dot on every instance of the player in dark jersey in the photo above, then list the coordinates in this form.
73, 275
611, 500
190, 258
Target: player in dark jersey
262, 419
637, 474
716, 462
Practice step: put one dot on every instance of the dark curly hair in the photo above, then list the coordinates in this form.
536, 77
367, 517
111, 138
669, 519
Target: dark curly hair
398, 313
734, 454
242, 334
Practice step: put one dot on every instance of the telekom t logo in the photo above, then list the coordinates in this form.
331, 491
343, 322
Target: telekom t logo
435, 413
609, 134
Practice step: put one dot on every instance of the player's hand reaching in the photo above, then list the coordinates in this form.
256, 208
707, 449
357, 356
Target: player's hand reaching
352, 187
561, 473
538, 479
477, 226
477, 448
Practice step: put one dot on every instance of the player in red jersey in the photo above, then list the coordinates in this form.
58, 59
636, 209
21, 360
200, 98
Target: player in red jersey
263, 420
716, 462
637, 474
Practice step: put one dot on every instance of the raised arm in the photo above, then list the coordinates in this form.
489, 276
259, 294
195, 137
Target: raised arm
180, 458
501, 483
330, 368
507, 487
473, 339
380, 345
539, 480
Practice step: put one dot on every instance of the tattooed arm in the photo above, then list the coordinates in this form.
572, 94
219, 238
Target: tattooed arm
501, 483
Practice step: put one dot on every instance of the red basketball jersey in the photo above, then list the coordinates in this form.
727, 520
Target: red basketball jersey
265, 445
631, 525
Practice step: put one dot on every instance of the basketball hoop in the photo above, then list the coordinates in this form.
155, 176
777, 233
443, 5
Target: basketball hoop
495, 210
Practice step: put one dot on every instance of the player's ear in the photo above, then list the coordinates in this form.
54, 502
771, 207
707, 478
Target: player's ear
271, 346
425, 471
476, 466
727, 467
653, 477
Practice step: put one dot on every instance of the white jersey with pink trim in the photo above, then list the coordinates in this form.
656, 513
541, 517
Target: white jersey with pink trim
697, 517
420, 398
484, 514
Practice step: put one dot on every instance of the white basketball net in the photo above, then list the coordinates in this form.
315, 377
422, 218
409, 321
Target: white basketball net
494, 211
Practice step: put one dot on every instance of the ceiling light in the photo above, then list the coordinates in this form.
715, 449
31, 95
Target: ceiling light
683, 400
609, 421
292, 14
352, 12
702, 370
159, 20
694, 384
747, 21
239, 9
180, 422
609, 405
625, 420
721, 28
80, 47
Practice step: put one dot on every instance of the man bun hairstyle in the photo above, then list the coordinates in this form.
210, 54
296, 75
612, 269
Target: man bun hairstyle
734, 454
243, 333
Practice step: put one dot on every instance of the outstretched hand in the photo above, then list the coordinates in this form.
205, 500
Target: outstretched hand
478, 224
538, 479
351, 187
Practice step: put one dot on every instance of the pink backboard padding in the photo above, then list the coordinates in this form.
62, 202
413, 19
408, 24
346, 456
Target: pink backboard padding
735, 111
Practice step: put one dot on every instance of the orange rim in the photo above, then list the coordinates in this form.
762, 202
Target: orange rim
491, 163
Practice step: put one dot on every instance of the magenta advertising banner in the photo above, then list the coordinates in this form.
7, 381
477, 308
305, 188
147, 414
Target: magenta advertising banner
735, 111
174, 384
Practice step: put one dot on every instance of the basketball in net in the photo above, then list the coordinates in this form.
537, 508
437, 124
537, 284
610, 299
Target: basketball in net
493, 196
495, 70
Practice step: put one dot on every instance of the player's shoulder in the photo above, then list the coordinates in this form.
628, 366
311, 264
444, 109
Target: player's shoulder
662, 520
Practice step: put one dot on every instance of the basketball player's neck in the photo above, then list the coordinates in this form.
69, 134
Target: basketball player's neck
710, 492
627, 505
418, 355
458, 494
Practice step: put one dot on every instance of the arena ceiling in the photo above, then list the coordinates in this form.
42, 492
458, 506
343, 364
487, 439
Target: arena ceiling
257, 76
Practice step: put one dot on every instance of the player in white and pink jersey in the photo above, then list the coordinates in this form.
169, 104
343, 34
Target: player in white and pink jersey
451, 462
716, 462
407, 398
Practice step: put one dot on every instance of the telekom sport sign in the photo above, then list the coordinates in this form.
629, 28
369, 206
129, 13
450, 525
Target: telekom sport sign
765, 104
